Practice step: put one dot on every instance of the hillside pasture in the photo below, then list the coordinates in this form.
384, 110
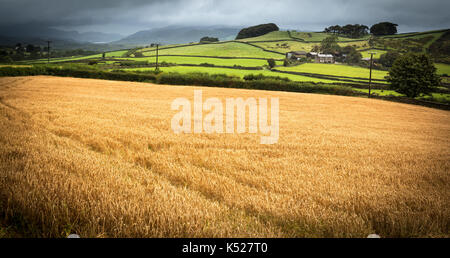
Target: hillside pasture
319, 36
205, 60
286, 46
443, 69
274, 35
378, 53
231, 49
336, 70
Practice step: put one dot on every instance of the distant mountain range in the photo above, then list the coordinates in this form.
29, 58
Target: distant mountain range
34, 31
37, 35
179, 34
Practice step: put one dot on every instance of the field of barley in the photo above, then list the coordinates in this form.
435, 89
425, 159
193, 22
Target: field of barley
98, 158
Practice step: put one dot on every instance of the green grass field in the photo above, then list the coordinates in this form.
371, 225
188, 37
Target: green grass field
64, 59
275, 35
440, 97
232, 72
231, 49
286, 46
381, 92
443, 68
116, 53
336, 70
378, 53
319, 36
201, 60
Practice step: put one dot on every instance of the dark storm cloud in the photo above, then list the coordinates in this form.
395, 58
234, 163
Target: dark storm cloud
118, 15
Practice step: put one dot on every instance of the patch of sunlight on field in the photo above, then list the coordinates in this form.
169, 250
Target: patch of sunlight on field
65, 59
381, 92
378, 53
319, 36
443, 68
98, 158
231, 49
274, 35
337, 70
116, 53
440, 97
286, 46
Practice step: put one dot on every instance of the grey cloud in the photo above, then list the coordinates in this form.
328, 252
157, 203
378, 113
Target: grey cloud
113, 15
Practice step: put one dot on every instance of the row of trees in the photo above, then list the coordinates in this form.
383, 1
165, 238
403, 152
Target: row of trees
359, 30
20, 52
208, 39
349, 30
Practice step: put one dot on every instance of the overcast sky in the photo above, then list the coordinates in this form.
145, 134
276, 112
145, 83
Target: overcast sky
129, 16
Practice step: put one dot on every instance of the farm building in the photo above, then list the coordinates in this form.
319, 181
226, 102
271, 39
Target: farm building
296, 55
312, 54
324, 58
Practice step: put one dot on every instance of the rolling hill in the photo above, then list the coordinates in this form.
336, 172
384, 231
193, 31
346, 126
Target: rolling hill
178, 34
249, 56
31, 31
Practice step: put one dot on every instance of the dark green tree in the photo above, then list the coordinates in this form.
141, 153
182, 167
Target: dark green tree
413, 74
329, 45
384, 28
257, 30
138, 54
30, 48
271, 63
5, 59
352, 56
388, 59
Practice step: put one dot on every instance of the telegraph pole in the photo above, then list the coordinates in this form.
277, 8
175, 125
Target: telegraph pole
370, 76
48, 51
157, 49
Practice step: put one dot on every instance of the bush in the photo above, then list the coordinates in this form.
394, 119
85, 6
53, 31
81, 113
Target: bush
252, 77
5, 59
207, 65
388, 59
271, 63
133, 63
208, 39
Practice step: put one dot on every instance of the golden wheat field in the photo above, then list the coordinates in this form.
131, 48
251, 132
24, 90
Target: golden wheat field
98, 158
